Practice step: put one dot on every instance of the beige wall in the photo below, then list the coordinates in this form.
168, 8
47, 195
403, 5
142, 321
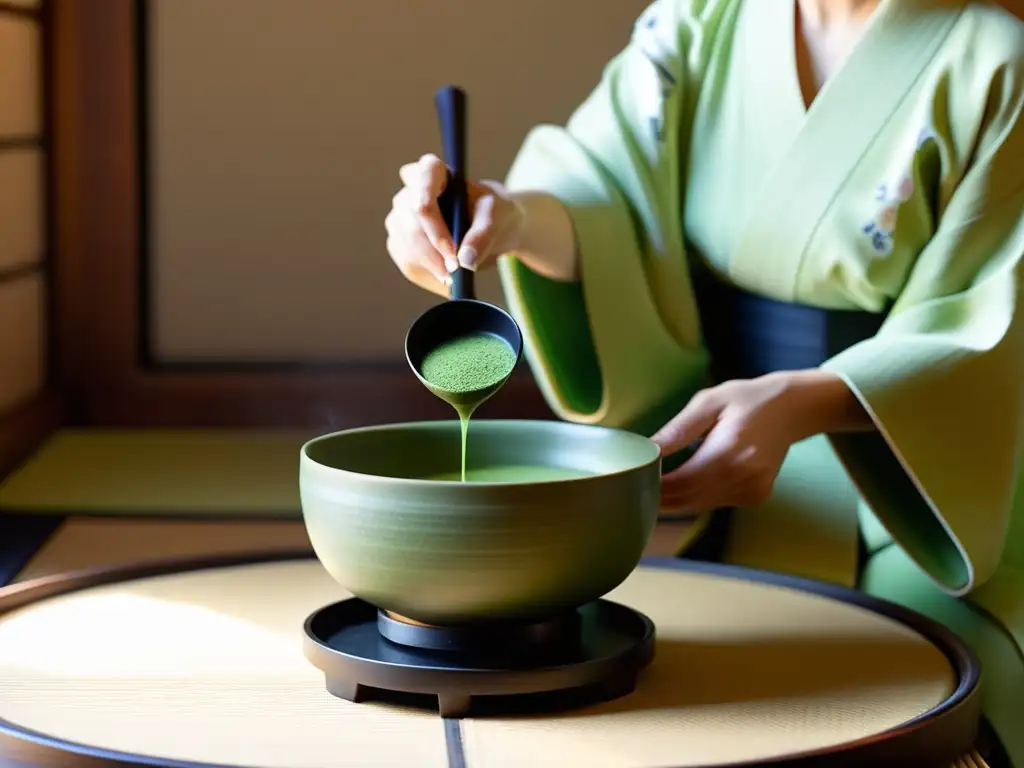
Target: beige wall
277, 129
22, 286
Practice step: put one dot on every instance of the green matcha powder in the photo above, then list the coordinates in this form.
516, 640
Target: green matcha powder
468, 363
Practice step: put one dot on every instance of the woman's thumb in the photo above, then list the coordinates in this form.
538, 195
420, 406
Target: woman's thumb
689, 425
476, 245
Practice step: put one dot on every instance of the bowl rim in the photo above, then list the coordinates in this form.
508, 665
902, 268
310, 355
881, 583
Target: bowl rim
623, 434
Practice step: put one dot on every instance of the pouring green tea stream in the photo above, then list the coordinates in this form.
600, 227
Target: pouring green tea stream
474, 364
463, 350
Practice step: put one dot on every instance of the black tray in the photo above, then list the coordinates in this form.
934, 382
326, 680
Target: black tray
614, 644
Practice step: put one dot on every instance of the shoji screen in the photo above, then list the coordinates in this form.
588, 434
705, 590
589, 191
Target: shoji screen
275, 132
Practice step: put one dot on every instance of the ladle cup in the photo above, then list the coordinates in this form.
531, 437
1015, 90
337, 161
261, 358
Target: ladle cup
463, 314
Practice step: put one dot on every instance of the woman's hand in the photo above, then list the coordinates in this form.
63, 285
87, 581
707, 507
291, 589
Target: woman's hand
748, 427
419, 242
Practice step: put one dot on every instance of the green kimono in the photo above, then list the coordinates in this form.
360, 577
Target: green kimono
903, 187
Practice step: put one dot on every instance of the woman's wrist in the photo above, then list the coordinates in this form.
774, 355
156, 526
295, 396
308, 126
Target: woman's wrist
546, 243
823, 403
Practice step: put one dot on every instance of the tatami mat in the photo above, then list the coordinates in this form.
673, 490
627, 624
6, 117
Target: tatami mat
189, 473
83, 543
186, 669
93, 542
743, 671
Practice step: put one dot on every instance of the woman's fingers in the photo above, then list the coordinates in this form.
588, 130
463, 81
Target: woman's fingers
678, 490
423, 278
690, 424
498, 220
425, 180
729, 469
426, 280
691, 483
419, 239
409, 247
477, 244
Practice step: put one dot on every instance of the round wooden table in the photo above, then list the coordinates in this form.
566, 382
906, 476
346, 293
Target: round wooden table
200, 663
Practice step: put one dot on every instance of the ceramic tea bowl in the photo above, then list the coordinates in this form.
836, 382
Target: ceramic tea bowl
451, 553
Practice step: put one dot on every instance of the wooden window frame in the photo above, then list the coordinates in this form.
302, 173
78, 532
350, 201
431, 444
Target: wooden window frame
23, 429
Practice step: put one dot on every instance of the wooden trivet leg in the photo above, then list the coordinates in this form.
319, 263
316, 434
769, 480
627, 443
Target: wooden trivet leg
346, 689
452, 704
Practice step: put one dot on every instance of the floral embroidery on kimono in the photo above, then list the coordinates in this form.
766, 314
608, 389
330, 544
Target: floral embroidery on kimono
881, 228
660, 53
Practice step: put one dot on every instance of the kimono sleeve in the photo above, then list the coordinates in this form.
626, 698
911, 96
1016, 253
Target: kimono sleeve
944, 378
604, 350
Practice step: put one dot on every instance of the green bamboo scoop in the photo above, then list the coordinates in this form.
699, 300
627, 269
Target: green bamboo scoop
463, 350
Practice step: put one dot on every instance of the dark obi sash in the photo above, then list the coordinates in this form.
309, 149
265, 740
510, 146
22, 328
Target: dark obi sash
747, 336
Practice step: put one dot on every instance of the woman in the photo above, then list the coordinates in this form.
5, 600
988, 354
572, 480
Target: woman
848, 171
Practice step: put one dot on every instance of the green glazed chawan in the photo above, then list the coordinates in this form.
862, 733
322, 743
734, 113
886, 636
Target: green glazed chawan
449, 552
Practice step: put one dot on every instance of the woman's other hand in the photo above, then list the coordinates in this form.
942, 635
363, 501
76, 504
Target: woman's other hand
747, 428
418, 239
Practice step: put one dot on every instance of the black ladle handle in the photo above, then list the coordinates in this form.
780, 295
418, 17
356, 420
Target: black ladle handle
454, 201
